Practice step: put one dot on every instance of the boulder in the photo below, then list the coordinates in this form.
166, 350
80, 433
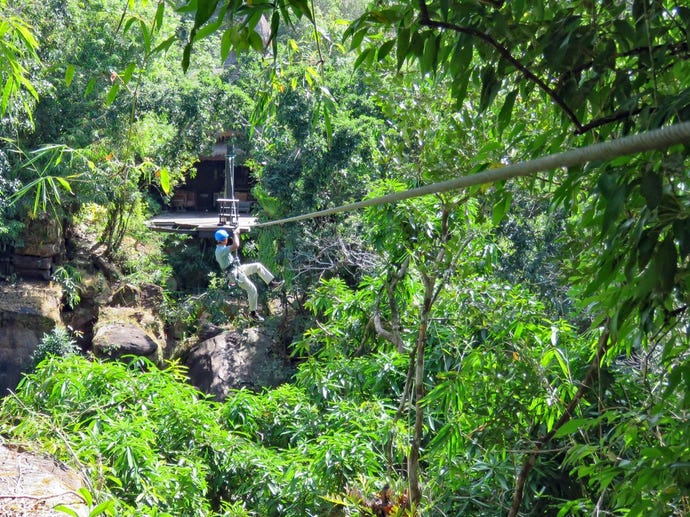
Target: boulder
234, 360
28, 311
124, 331
34, 484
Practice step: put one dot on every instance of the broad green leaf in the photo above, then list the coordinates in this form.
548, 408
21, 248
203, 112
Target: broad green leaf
506, 111
490, 87
255, 41
667, 258
89, 87
651, 187
225, 45
112, 93
646, 246
165, 44
207, 30
574, 425
66, 510
357, 39
385, 49
366, 55
127, 74
402, 45
500, 208
204, 11
429, 56
164, 176
69, 74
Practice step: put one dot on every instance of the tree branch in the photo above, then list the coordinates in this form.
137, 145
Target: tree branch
426, 21
531, 458
392, 335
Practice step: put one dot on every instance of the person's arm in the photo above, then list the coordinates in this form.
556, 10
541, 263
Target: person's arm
235, 240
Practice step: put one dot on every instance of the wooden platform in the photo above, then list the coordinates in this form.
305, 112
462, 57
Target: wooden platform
199, 224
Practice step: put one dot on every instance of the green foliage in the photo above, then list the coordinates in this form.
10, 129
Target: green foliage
58, 343
156, 446
18, 48
48, 175
139, 428
413, 328
70, 279
10, 229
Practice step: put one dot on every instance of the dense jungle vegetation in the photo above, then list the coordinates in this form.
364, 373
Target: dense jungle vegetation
515, 348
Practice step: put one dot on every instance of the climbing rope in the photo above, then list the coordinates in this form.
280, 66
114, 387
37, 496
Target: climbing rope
648, 141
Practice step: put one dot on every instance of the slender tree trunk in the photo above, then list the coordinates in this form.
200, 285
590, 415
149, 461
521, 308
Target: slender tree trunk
413, 468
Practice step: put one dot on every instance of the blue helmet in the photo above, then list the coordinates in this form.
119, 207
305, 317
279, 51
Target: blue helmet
221, 235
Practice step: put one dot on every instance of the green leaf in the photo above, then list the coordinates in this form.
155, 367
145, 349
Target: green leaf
327, 121
681, 231
357, 39
65, 509
506, 111
646, 245
667, 258
112, 93
127, 74
430, 53
500, 208
275, 24
160, 11
204, 11
385, 49
225, 44
402, 45
65, 184
366, 55
89, 87
490, 87
69, 74
165, 179
102, 508
651, 186
186, 54
574, 425
165, 44
255, 41
208, 30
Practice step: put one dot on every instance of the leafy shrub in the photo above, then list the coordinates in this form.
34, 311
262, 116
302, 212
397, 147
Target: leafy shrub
58, 343
70, 279
159, 447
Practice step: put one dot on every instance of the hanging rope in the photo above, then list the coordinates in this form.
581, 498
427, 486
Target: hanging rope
651, 140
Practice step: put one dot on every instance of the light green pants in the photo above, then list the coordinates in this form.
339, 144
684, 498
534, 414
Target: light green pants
241, 275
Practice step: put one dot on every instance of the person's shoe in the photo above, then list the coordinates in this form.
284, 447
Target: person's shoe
255, 316
275, 284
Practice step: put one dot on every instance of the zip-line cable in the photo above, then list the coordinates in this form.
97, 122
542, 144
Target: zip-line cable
648, 141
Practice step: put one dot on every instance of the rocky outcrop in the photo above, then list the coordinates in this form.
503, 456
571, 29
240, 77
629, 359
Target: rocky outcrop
122, 331
234, 360
34, 484
28, 311
43, 244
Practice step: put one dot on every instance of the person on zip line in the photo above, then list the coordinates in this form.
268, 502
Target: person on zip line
237, 273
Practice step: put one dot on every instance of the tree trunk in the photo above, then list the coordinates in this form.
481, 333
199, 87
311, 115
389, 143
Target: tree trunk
413, 461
